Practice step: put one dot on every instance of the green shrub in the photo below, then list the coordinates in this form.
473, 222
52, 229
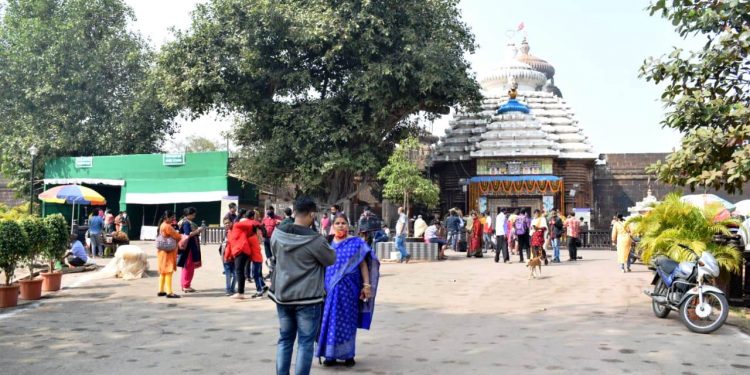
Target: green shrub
56, 244
13, 244
673, 222
37, 234
14, 213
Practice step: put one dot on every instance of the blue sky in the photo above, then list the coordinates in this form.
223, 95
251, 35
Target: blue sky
596, 47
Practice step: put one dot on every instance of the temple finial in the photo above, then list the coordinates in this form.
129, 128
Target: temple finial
513, 87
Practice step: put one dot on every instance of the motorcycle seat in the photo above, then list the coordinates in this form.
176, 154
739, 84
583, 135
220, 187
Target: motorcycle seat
665, 264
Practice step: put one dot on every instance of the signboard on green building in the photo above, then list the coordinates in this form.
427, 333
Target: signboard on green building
174, 159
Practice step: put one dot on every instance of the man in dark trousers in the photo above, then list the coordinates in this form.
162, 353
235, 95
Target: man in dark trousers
300, 257
573, 228
502, 243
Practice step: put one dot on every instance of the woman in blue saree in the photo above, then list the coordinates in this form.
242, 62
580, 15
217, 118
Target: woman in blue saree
351, 285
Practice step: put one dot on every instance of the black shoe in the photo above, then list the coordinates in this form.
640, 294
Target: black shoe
172, 295
350, 362
329, 363
161, 294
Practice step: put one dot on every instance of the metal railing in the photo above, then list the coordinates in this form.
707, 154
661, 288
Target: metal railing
592, 239
212, 235
596, 239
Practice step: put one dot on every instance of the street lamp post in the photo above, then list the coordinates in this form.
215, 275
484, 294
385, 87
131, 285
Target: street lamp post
33, 152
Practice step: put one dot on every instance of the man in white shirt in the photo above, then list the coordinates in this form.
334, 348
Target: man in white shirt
502, 243
401, 231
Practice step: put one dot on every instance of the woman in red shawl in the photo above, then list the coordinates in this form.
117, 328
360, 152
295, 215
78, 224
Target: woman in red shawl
475, 247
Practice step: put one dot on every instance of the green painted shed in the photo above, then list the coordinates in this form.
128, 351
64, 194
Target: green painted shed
145, 185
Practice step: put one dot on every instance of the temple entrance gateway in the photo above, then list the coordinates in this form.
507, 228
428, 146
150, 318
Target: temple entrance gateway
511, 204
536, 192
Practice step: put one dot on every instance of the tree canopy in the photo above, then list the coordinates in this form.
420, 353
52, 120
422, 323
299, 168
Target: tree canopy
197, 143
707, 94
322, 88
74, 82
403, 179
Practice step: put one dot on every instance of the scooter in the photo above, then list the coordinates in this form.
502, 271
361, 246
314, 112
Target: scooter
680, 287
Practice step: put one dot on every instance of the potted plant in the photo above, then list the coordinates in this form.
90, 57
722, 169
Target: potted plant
13, 243
673, 222
31, 288
54, 249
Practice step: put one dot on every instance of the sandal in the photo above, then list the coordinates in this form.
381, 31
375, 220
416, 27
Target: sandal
189, 290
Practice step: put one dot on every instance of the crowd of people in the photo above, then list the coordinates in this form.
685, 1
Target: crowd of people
103, 222
323, 273
508, 232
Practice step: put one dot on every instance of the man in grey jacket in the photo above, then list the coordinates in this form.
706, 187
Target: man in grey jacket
300, 258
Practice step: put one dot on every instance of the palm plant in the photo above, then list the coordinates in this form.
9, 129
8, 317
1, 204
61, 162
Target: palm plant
672, 223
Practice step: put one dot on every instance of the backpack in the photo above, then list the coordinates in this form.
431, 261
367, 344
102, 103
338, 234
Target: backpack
522, 227
558, 228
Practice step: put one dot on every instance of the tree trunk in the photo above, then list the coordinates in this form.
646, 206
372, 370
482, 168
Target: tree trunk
341, 184
406, 209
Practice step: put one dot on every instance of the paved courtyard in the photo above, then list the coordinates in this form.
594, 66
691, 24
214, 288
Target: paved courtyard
461, 316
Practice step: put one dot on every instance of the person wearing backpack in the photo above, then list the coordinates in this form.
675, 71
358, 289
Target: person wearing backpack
555, 233
522, 225
270, 221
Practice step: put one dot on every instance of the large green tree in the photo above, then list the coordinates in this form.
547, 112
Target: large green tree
707, 93
322, 88
74, 82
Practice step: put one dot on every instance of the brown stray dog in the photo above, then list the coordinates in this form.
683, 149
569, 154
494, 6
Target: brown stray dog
535, 262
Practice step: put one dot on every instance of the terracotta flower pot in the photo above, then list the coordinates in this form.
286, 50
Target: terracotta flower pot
52, 281
9, 296
31, 289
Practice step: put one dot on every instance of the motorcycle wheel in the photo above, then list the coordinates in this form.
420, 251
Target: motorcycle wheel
661, 311
719, 312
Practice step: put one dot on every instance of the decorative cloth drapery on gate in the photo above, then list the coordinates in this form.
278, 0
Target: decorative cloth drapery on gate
515, 185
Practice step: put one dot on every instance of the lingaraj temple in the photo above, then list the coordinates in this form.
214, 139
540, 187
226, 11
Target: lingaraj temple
525, 149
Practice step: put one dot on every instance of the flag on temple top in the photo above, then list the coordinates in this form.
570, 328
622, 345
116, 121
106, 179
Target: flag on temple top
520, 26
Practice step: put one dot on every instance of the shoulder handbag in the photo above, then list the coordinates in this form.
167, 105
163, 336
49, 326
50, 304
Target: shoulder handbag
184, 241
165, 243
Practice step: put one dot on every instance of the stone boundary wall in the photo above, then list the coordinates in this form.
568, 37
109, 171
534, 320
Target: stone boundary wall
623, 181
7, 195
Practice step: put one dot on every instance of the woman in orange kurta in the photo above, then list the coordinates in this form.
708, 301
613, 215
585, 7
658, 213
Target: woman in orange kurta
167, 260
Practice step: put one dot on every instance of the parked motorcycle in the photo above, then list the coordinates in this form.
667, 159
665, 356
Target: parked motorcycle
680, 287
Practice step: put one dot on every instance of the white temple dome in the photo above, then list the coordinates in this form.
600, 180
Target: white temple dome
510, 69
535, 122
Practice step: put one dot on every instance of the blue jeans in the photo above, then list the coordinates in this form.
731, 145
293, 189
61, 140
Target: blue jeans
302, 321
487, 239
229, 275
401, 246
555, 242
257, 268
453, 239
